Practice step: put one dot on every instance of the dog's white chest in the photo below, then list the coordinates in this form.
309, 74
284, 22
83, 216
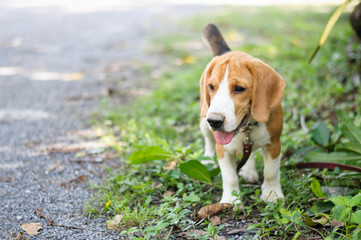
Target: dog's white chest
259, 135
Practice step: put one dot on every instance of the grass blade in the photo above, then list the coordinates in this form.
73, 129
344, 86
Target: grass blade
331, 22
338, 157
350, 146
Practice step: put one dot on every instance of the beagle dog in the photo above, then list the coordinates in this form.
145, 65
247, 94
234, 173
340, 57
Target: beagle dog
238, 90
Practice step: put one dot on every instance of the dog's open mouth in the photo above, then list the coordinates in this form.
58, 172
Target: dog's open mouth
224, 138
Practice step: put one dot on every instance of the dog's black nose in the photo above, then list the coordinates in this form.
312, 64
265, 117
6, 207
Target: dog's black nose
216, 122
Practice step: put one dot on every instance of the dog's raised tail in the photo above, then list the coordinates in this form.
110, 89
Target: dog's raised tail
215, 39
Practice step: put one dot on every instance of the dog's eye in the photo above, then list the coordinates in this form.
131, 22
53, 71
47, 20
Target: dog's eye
238, 89
211, 87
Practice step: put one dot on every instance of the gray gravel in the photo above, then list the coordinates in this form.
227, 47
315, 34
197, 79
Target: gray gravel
44, 109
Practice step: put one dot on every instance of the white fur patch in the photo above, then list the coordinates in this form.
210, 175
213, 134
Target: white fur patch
229, 177
271, 187
209, 142
223, 104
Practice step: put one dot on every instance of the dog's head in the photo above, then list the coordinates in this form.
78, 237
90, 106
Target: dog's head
235, 86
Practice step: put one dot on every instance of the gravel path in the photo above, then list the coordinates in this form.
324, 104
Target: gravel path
55, 64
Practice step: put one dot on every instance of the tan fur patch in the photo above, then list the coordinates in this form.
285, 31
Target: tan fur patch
274, 127
220, 151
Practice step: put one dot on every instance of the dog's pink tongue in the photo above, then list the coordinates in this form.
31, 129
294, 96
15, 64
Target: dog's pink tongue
224, 137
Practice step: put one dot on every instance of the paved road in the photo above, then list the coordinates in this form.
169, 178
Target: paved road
56, 63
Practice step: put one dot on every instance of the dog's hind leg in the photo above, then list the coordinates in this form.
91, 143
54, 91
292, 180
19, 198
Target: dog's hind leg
209, 142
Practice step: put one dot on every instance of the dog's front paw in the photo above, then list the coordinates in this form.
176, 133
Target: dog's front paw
250, 176
237, 204
271, 193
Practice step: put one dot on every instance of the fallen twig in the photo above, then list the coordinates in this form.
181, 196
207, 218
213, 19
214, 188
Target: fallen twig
51, 222
170, 233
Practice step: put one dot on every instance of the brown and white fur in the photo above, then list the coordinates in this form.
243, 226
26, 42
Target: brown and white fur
235, 88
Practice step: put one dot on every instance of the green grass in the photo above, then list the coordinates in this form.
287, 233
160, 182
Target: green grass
156, 199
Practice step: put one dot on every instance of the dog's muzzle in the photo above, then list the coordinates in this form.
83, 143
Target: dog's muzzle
215, 121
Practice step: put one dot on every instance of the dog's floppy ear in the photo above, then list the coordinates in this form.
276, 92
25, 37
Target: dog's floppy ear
205, 98
267, 92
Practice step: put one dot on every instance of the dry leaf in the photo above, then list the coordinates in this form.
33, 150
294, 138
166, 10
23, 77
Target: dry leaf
114, 223
31, 229
171, 165
75, 181
215, 220
57, 166
335, 223
168, 194
213, 209
18, 237
156, 185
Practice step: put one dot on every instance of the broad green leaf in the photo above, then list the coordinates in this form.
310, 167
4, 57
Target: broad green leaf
338, 157
350, 146
321, 134
196, 170
320, 207
344, 214
356, 233
283, 211
340, 200
350, 131
355, 200
152, 153
284, 220
341, 213
316, 188
356, 217
331, 22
